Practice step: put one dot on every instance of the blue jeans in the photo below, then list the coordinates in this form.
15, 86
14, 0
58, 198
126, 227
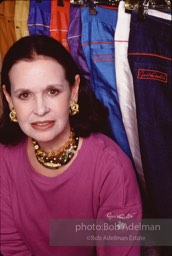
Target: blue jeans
98, 45
39, 18
74, 41
150, 58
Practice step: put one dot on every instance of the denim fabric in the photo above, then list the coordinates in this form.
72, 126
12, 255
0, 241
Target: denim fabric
20, 18
150, 58
7, 30
39, 18
59, 22
98, 45
74, 40
125, 88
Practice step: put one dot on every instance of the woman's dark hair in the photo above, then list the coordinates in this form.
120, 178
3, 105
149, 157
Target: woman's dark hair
92, 117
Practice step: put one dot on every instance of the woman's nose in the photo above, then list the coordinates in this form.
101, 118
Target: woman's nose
40, 107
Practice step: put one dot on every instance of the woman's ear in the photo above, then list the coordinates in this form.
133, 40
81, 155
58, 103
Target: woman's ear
75, 88
7, 96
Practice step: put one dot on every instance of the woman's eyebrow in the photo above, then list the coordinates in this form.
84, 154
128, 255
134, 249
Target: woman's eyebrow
52, 85
21, 90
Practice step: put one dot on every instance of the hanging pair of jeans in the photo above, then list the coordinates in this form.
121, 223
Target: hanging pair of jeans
39, 18
59, 22
74, 40
98, 45
125, 88
150, 59
21, 18
7, 30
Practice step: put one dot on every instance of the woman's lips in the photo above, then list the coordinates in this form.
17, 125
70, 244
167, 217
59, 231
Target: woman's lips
42, 125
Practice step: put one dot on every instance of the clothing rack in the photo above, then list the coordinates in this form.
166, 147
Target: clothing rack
138, 5
158, 5
83, 3
59, 2
141, 6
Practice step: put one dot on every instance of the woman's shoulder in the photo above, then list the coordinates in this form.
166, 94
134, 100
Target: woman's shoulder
11, 158
11, 150
115, 170
105, 144
2, 149
109, 155
2, 146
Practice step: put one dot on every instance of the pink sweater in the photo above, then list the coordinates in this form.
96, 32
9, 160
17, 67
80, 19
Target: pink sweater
100, 183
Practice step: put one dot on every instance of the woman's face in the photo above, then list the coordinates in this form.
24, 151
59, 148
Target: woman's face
40, 95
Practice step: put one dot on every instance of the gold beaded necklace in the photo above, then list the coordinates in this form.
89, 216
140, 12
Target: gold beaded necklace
58, 158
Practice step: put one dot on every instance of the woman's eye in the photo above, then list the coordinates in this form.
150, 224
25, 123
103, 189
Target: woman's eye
53, 91
24, 95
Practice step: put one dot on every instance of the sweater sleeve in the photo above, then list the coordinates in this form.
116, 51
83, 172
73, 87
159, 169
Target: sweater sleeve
10, 240
120, 205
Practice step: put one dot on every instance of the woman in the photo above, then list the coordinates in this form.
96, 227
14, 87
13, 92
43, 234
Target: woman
55, 163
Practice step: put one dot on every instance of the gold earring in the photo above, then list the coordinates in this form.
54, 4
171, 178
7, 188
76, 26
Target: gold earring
13, 116
74, 108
